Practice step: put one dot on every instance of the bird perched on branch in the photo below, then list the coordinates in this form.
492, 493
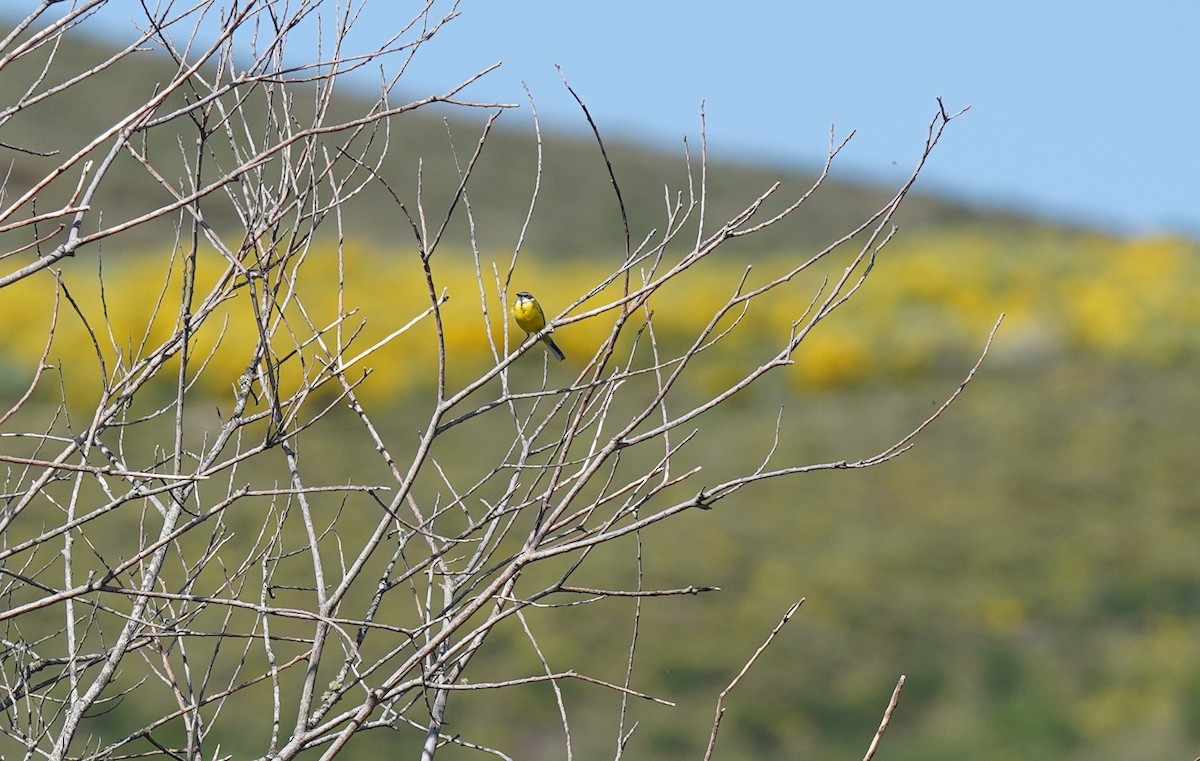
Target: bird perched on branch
530, 318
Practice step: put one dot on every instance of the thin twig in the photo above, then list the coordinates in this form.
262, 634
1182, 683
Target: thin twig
887, 717
720, 710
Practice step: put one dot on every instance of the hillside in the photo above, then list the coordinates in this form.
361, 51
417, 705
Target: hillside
576, 213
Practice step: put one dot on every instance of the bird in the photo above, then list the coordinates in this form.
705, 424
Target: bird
528, 314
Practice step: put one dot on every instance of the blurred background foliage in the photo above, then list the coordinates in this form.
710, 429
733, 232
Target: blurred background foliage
1030, 565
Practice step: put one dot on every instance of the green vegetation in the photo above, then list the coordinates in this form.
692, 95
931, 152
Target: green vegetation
1029, 565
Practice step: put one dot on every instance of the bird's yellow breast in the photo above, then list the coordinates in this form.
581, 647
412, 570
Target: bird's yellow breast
528, 315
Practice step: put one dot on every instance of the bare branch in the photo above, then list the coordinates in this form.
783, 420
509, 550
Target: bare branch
720, 712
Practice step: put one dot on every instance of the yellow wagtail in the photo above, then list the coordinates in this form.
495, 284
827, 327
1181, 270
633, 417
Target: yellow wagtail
530, 318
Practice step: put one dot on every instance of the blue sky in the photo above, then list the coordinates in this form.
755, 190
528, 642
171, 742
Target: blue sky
1080, 111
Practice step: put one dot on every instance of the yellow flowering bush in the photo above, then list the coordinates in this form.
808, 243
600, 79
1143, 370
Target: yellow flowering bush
929, 297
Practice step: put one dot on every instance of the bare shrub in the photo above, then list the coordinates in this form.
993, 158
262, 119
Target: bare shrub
180, 576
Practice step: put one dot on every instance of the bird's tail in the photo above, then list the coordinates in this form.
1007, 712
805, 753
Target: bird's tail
553, 348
